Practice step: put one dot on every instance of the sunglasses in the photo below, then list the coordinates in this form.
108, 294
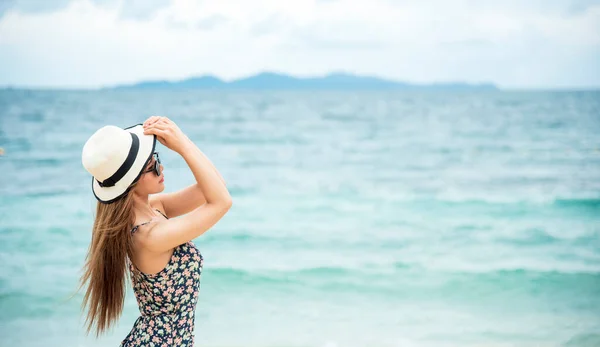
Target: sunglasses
156, 167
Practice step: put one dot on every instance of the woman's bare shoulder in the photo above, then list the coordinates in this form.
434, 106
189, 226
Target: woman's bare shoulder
156, 203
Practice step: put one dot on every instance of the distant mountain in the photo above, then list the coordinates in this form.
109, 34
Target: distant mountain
270, 80
190, 83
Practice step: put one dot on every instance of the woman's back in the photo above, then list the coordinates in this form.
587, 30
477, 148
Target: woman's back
167, 300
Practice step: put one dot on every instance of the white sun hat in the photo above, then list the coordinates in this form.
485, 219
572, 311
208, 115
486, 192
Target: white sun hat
115, 158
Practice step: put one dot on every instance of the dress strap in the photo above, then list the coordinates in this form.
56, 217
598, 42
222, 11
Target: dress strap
135, 228
162, 213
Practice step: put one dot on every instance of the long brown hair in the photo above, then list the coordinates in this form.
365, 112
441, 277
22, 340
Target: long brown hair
106, 263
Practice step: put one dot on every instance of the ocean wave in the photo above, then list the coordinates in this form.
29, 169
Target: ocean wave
530, 237
540, 236
243, 238
513, 205
246, 277
399, 270
33, 117
409, 284
325, 271
591, 203
31, 161
43, 192
583, 340
521, 282
282, 273
531, 272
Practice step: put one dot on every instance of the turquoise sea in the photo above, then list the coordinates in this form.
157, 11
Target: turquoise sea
360, 219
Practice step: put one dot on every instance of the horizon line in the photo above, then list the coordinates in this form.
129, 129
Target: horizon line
116, 89
126, 85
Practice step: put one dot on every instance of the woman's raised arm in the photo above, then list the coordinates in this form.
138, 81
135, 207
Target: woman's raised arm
173, 232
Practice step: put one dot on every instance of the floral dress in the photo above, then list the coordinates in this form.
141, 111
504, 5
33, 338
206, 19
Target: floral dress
167, 300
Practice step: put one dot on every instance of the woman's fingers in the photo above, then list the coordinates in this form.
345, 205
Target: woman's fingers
158, 125
163, 128
152, 120
149, 120
155, 130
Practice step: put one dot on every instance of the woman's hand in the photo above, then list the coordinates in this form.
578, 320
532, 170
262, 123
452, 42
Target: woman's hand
167, 132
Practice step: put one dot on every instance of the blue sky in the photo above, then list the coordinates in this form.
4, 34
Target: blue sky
93, 43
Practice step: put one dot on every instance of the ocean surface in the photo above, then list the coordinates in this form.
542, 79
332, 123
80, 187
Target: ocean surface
360, 219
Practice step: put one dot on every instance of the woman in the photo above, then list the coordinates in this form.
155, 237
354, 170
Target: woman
134, 228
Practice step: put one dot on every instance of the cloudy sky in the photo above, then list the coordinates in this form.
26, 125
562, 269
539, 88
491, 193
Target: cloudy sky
92, 43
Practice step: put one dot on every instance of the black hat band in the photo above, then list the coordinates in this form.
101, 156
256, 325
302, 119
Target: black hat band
127, 164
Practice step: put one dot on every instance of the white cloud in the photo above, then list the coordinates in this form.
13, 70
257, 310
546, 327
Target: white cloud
90, 43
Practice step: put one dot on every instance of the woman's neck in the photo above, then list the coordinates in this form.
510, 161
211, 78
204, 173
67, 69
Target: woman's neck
142, 207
